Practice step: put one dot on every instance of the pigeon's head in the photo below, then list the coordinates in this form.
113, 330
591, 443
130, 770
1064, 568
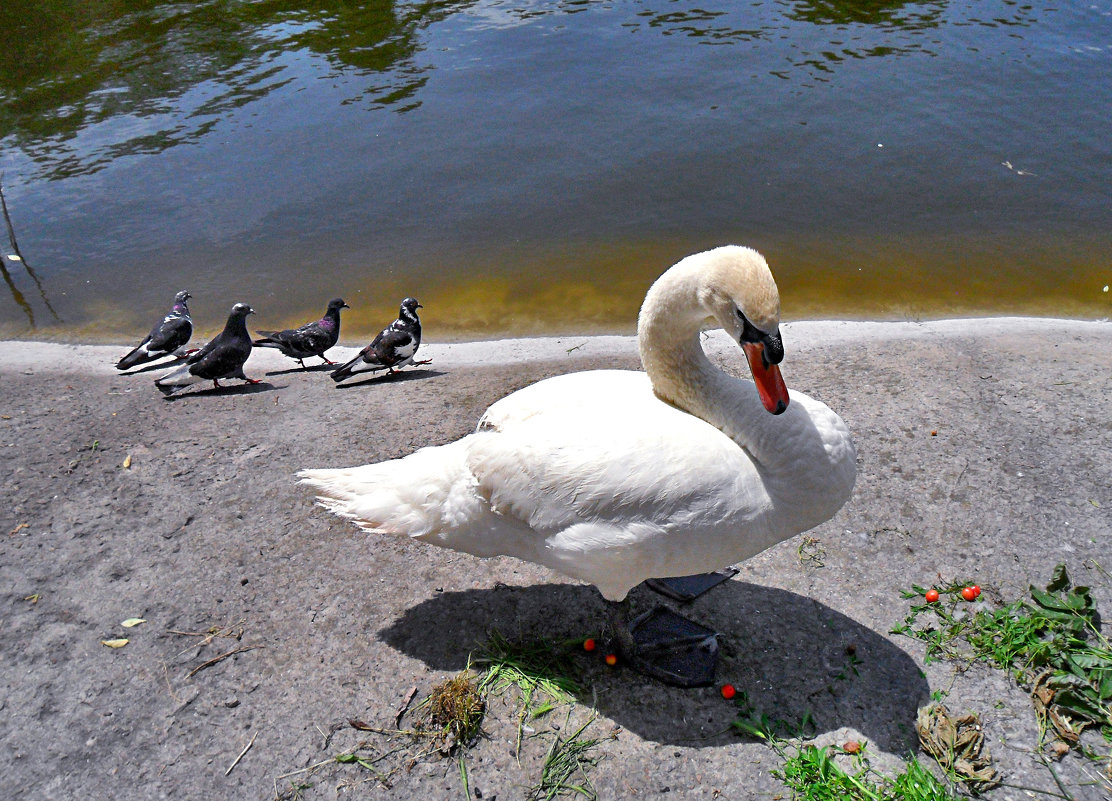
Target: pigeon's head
336, 304
411, 305
242, 310
182, 297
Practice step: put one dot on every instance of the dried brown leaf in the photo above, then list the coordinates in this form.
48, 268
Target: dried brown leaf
957, 745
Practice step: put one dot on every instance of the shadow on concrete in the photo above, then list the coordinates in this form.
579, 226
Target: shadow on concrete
309, 368
223, 389
791, 657
392, 378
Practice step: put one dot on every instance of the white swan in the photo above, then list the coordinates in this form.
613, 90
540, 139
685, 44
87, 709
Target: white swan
615, 476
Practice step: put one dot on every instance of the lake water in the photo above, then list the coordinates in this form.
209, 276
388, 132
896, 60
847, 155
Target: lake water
529, 167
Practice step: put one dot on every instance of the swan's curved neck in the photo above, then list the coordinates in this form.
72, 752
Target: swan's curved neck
668, 334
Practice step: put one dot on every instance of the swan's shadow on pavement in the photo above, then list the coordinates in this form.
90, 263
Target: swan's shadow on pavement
793, 658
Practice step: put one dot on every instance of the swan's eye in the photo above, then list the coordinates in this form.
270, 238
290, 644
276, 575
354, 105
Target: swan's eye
749, 332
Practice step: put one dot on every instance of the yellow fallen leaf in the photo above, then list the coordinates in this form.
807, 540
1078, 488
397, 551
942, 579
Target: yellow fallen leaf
132, 622
115, 643
127, 462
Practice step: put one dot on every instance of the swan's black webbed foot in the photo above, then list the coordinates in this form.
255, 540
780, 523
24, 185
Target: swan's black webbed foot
666, 645
688, 588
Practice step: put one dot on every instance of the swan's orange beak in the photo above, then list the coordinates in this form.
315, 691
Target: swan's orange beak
770, 384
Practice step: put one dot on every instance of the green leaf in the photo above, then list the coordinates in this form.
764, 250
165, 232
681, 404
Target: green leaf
1059, 580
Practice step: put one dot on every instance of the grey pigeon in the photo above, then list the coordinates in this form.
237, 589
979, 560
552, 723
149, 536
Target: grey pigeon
165, 338
222, 357
312, 339
392, 349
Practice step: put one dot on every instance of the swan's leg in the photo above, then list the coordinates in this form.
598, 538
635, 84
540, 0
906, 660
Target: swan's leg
623, 637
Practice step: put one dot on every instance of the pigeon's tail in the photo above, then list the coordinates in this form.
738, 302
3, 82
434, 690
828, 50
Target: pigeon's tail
267, 340
176, 380
349, 369
138, 356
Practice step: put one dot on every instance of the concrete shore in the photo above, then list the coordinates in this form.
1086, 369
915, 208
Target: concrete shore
983, 453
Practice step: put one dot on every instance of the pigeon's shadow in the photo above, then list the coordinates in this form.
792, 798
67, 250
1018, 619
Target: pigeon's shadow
406, 375
238, 389
312, 368
798, 662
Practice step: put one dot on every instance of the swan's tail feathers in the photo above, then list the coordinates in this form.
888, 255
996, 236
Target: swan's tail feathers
424, 495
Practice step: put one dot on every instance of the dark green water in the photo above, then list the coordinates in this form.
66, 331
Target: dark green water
528, 167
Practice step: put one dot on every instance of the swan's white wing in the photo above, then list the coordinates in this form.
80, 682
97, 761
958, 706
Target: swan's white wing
631, 469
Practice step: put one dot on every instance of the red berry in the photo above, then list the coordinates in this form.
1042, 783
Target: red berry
976, 591
589, 644
728, 691
932, 596
611, 659
969, 594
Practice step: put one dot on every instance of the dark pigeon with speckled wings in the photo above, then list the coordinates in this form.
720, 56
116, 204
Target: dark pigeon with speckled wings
392, 349
167, 336
222, 357
312, 339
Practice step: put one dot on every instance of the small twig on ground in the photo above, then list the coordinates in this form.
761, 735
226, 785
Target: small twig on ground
169, 687
246, 748
220, 658
405, 705
1054, 775
228, 632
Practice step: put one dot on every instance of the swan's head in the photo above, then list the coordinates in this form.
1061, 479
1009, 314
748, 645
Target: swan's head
738, 291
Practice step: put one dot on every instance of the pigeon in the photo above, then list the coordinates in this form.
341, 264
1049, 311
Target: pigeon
222, 357
312, 339
165, 338
392, 349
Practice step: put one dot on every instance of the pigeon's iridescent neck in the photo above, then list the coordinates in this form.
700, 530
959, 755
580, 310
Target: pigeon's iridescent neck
326, 322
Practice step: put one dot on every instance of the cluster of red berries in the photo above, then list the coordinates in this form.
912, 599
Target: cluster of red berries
589, 644
970, 593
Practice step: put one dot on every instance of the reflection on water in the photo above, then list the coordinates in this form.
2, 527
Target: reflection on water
888, 14
16, 257
67, 66
531, 164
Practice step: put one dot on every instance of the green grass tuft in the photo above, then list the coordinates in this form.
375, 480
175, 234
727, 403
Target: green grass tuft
814, 775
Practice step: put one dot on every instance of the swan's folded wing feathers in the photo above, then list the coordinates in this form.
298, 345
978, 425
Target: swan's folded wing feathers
657, 474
